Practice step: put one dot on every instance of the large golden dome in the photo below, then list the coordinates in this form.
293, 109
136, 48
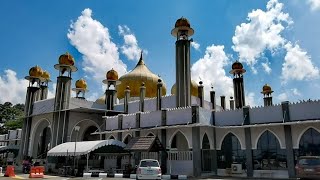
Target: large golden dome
101, 100
66, 59
135, 78
193, 89
36, 72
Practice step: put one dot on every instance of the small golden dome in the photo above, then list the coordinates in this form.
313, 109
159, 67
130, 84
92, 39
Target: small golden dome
112, 75
135, 78
35, 71
193, 89
101, 100
81, 84
45, 75
237, 65
182, 22
266, 89
66, 59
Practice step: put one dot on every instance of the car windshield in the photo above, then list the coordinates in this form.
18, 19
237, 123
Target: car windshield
149, 164
311, 162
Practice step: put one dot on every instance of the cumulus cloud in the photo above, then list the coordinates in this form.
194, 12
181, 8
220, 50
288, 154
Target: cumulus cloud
282, 96
297, 65
314, 4
52, 90
296, 92
12, 89
250, 99
93, 41
261, 32
266, 67
130, 48
195, 45
210, 68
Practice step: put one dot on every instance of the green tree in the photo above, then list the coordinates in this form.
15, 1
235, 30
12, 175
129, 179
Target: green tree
11, 116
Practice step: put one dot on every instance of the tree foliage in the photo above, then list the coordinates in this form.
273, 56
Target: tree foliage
11, 116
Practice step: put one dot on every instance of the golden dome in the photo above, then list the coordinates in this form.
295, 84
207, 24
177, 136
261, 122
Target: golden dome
35, 71
45, 75
66, 59
112, 75
266, 89
81, 84
182, 22
193, 88
237, 65
101, 100
135, 78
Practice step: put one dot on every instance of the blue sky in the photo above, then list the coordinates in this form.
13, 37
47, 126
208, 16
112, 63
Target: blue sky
275, 40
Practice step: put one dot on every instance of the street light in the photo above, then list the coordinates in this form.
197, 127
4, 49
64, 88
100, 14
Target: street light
76, 129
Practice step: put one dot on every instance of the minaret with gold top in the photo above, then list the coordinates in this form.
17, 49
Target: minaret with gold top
112, 80
182, 31
80, 89
62, 97
34, 79
45, 79
267, 95
238, 86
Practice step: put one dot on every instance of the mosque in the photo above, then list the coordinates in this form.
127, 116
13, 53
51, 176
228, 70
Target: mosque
187, 134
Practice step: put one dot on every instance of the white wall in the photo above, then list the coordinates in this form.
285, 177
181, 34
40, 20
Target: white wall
229, 117
111, 123
129, 121
179, 116
180, 167
266, 114
150, 119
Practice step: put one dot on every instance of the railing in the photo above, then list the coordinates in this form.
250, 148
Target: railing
180, 155
149, 155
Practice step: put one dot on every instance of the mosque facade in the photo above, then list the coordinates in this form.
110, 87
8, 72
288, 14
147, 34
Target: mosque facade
197, 136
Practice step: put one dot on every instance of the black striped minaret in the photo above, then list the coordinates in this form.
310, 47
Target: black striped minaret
238, 85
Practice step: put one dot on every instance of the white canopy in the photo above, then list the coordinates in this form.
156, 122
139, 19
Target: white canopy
82, 147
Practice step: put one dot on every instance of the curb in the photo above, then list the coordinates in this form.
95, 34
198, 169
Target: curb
131, 176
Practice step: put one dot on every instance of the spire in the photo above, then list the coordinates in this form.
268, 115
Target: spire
141, 62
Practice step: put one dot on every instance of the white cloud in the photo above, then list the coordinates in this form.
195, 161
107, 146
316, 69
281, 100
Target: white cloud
12, 89
314, 4
297, 65
52, 90
266, 67
263, 31
250, 99
195, 45
210, 69
282, 97
296, 92
93, 41
130, 48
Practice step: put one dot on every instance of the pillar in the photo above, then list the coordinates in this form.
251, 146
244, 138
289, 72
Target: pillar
159, 94
231, 103
223, 102
126, 99
142, 97
212, 98
247, 133
201, 93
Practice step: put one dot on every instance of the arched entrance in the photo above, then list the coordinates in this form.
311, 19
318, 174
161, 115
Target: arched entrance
88, 136
44, 143
309, 144
41, 138
230, 152
206, 155
269, 155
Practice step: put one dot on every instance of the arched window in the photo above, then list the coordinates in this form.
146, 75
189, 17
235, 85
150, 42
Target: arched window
111, 137
230, 152
127, 139
205, 142
268, 154
310, 143
179, 142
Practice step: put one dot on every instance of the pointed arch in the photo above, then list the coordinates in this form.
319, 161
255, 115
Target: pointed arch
81, 132
304, 131
150, 134
230, 132
182, 137
259, 136
205, 143
309, 142
111, 137
127, 139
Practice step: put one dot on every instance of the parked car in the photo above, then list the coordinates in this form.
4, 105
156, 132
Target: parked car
308, 167
149, 169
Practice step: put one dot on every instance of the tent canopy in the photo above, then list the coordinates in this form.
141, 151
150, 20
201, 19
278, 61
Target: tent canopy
9, 148
85, 147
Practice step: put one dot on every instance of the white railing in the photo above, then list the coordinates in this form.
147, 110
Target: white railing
149, 155
180, 155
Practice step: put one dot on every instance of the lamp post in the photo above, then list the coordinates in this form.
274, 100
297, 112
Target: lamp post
76, 129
